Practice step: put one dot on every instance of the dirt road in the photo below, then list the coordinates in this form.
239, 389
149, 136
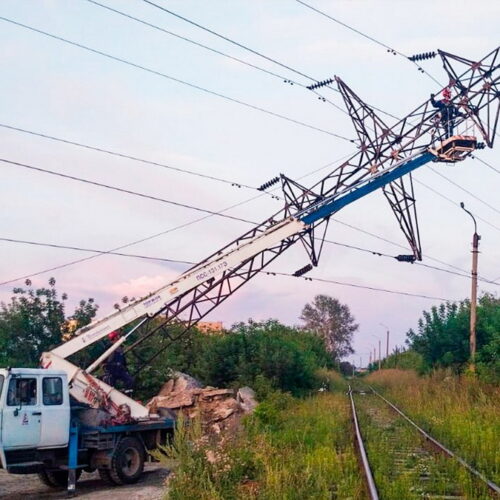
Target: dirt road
151, 487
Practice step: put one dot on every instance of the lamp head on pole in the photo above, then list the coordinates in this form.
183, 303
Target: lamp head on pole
462, 205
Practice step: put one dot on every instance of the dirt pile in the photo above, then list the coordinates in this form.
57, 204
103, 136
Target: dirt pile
219, 410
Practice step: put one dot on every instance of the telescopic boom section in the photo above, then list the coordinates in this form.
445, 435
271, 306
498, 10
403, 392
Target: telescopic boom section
197, 276
395, 152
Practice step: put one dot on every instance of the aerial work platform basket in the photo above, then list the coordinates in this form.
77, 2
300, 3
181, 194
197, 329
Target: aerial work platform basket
455, 148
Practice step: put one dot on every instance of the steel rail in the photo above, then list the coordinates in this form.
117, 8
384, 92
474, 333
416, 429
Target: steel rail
372, 488
494, 487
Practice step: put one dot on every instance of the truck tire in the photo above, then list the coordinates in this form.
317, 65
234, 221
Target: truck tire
105, 476
56, 478
127, 462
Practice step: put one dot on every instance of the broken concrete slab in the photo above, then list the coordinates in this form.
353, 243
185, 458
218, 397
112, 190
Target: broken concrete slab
247, 399
219, 410
178, 383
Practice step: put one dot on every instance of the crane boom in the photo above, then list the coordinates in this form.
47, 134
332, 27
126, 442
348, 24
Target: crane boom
201, 273
388, 156
215, 266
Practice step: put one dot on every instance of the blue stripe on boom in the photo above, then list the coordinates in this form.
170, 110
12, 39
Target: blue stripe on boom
334, 206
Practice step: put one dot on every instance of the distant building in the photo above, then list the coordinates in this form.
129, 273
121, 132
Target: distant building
210, 327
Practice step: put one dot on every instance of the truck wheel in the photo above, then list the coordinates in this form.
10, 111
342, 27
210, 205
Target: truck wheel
105, 476
56, 478
127, 462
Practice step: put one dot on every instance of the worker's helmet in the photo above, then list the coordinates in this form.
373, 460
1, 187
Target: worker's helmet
447, 94
114, 335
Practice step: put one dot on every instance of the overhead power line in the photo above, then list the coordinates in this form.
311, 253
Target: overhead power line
194, 42
465, 190
230, 40
453, 202
271, 273
220, 214
177, 80
153, 236
122, 190
162, 259
235, 183
463, 272
141, 68
260, 54
127, 156
283, 79
121, 247
210, 212
344, 283
92, 250
486, 163
365, 35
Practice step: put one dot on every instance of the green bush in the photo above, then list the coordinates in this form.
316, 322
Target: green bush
442, 336
286, 357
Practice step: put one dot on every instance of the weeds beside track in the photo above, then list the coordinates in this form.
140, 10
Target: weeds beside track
407, 464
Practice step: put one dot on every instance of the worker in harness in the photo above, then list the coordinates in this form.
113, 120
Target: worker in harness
115, 367
447, 110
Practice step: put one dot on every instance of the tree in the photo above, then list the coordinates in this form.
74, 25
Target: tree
31, 323
333, 322
346, 368
257, 353
442, 336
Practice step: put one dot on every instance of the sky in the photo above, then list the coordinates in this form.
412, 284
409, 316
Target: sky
61, 90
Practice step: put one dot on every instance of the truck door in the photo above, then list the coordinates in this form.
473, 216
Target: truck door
21, 414
55, 413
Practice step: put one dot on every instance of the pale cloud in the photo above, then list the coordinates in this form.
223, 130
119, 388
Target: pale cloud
138, 287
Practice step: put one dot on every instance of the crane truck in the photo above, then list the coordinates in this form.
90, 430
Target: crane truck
60, 419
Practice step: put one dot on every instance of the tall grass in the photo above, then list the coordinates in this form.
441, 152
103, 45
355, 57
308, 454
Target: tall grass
290, 449
402, 462
462, 412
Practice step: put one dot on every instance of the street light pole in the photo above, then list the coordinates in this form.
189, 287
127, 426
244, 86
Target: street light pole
473, 299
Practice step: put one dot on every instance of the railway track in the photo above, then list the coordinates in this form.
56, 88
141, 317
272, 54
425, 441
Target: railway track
401, 461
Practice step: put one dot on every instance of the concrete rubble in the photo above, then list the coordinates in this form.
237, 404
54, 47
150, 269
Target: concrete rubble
219, 410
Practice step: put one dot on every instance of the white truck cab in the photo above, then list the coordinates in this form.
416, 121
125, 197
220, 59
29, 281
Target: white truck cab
34, 409
42, 431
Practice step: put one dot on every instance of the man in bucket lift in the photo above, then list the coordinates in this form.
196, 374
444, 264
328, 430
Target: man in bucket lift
447, 111
115, 367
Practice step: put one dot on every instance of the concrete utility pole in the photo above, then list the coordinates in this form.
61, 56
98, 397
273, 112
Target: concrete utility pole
370, 359
379, 351
379, 354
387, 340
473, 295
